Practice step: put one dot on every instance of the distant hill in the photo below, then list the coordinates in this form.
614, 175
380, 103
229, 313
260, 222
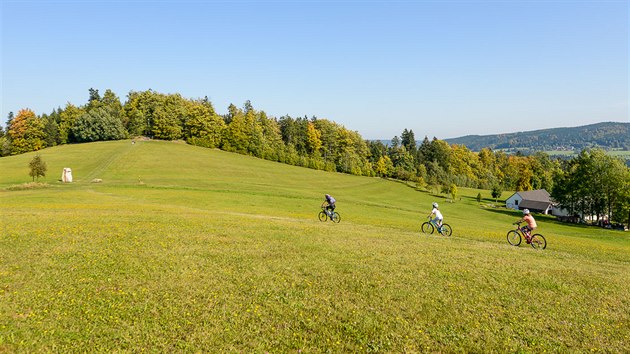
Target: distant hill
608, 135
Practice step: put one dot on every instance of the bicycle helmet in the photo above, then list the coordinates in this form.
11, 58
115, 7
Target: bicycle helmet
525, 211
435, 205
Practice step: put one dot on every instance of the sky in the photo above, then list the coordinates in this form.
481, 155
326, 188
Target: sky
443, 69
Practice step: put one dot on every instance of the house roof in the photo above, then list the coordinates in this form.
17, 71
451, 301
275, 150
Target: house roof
534, 205
538, 195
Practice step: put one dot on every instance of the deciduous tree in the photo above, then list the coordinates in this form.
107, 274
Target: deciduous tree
384, 166
203, 126
67, 117
496, 192
26, 132
594, 183
452, 190
313, 139
97, 125
37, 167
273, 145
236, 137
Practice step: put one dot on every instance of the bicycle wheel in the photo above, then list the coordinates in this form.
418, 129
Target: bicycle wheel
514, 238
336, 217
446, 230
427, 228
322, 216
539, 242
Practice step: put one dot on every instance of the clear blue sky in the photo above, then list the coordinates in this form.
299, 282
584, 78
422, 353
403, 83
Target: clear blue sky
440, 68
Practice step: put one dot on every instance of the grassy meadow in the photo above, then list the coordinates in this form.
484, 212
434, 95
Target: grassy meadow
187, 249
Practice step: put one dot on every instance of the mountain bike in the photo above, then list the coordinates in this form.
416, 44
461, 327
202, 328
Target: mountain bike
329, 214
428, 227
515, 236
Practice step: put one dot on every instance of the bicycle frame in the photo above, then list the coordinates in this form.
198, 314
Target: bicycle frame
433, 223
524, 232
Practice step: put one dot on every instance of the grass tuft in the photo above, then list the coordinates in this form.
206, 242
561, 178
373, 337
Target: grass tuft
27, 186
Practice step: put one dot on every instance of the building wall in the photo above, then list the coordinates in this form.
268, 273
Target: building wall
513, 201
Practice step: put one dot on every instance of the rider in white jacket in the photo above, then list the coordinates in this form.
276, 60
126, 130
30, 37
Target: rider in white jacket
438, 216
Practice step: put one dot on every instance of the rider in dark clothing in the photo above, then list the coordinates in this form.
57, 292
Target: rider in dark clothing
329, 203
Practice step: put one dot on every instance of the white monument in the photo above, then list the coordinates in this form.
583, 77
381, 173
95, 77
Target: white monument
66, 176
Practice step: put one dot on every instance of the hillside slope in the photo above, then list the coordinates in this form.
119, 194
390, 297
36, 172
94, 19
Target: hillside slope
609, 135
230, 179
165, 172
181, 248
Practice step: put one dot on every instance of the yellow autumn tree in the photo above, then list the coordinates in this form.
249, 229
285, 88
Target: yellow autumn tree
26, 132
384, 166
313, 139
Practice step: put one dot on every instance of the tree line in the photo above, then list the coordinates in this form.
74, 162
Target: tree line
309, 142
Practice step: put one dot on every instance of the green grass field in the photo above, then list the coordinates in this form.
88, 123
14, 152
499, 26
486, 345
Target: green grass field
186, 249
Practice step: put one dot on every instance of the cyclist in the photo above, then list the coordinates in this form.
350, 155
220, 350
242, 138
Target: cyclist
329, 204
438, 216
529, 219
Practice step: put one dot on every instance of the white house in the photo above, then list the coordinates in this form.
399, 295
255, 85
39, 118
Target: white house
536, 201
540, 201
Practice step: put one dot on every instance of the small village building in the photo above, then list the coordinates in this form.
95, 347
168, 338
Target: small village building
537, 200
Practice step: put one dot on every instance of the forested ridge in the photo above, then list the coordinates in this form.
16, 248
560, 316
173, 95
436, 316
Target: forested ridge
322, 144
606, 135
